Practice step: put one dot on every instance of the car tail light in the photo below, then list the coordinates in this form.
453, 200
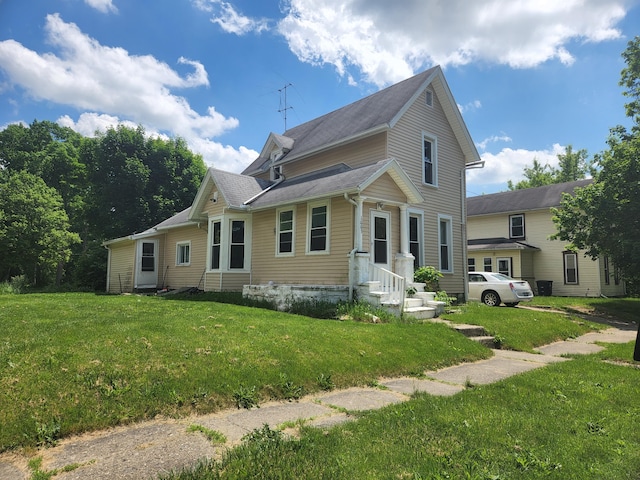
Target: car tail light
512, 287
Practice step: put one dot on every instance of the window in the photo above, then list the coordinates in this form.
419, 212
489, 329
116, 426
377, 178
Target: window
183, 253
445, 241
318, 233
607, 271
504, 266
236, 246
429, 98
285, 232
216, 237
429, 160
415, 238
380, 237
275, 172
471, 264
516, 226
487, 264
570, 268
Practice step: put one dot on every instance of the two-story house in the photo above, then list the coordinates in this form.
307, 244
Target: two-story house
344, 205
509, 232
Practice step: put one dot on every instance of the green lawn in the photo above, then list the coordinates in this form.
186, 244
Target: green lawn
80, 362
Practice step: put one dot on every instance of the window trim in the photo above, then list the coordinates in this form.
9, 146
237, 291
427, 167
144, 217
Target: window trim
566, 254
419, 215
448, 220
434, 159
471, 264
310, 207
387, 217
225, 243
485, 264
511, 218
184, 243
428, 100
292, 253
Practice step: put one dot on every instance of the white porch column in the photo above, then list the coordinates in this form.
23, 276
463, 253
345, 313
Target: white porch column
358, 224
404, 259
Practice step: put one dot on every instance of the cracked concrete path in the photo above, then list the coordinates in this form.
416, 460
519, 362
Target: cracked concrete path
147, 449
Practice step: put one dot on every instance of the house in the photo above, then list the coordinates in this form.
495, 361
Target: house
509, 232
345, 205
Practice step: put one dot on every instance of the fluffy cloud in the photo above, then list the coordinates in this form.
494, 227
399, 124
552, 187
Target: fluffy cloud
104, 6
229, 19
388, 43
507, 165
97, 78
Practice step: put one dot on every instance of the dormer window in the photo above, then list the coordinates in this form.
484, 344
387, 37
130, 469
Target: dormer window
275, 155
275, 172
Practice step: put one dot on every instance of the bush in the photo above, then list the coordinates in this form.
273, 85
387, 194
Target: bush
15, 285
430, 276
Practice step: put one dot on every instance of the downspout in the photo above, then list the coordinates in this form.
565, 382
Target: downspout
259, 194
357, 242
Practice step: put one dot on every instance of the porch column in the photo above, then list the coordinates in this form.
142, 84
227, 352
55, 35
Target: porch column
404, 259
358, 224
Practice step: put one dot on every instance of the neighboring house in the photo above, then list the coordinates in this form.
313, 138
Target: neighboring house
509, 232
344, 205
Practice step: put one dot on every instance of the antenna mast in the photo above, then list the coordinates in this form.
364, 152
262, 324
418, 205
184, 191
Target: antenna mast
283, 109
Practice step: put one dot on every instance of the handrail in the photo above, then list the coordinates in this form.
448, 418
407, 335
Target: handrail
390, 283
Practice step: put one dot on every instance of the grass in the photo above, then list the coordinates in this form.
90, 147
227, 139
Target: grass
570, 420
627, 309
80, 362
521, 329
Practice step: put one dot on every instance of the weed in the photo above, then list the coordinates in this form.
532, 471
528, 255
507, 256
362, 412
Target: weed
35, 465
212, 435
246, 397
264, 438
290, 391
325, 382
364, 312
47, 434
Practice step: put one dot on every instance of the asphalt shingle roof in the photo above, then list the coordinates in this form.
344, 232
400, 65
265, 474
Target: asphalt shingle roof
351, 120
522, 200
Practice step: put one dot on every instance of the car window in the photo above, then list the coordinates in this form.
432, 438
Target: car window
475, 277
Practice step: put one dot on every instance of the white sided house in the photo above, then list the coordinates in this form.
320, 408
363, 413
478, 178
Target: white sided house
343, 206
509, 232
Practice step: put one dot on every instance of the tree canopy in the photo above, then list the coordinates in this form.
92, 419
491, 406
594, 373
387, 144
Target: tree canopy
604, 217
115, 184
572, 165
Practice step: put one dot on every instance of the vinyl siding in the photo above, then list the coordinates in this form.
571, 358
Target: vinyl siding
405, 145
122, 259
226, 281
179, 276
303, 268
548, 263
358, 154
386, 189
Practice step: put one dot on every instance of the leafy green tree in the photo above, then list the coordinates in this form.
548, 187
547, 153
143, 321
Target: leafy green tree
34, 228
604, 217
572, 165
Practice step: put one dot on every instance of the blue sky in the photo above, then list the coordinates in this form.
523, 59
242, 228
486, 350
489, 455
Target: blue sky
530, 76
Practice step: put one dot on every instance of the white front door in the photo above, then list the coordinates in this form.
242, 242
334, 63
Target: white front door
504, 266
380, 238
147, 264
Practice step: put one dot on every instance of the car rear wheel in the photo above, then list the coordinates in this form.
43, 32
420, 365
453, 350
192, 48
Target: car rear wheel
491, 298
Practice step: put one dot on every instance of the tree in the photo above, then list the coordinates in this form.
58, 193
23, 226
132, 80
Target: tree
571, 166
604, 217
34, 228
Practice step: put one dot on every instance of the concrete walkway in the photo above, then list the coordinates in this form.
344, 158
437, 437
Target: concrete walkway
147, 449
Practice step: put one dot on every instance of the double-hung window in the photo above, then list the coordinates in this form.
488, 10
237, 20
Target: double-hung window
471, 264
285, 233
216, 244
318, 228
183, 253
237, 245
516, 226
570, 268
429, 160
445, 241
416, 227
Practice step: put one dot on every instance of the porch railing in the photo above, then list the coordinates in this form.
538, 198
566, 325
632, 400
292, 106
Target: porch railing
390, 283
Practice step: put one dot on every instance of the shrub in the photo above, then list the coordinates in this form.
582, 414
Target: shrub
430, 276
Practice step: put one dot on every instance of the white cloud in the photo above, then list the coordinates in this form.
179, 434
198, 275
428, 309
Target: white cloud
507, 165
493, 139
474, 105
122, 87
229, 19
104, 6
388, 42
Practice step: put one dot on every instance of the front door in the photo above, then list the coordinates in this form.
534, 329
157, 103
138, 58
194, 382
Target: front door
147, 264
380, 238
504, 266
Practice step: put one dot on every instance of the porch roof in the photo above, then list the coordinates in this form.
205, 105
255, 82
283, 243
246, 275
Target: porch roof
488, 244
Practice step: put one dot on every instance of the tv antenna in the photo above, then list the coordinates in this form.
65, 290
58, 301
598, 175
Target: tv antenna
283, 105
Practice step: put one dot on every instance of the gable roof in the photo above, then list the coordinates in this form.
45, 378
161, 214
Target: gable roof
370, 115
499, 243
522, 200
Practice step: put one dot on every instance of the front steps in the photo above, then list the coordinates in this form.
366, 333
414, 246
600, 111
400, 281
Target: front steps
472, 332
421, 305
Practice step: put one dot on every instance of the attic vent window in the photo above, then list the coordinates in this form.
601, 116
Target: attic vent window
429, 98
276, 172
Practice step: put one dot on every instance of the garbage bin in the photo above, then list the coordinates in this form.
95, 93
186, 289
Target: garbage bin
545, 288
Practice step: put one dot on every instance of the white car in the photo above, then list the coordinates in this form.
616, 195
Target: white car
493, 289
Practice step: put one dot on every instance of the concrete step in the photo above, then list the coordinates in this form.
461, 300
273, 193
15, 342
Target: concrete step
413, 302
420, 312
485, 340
